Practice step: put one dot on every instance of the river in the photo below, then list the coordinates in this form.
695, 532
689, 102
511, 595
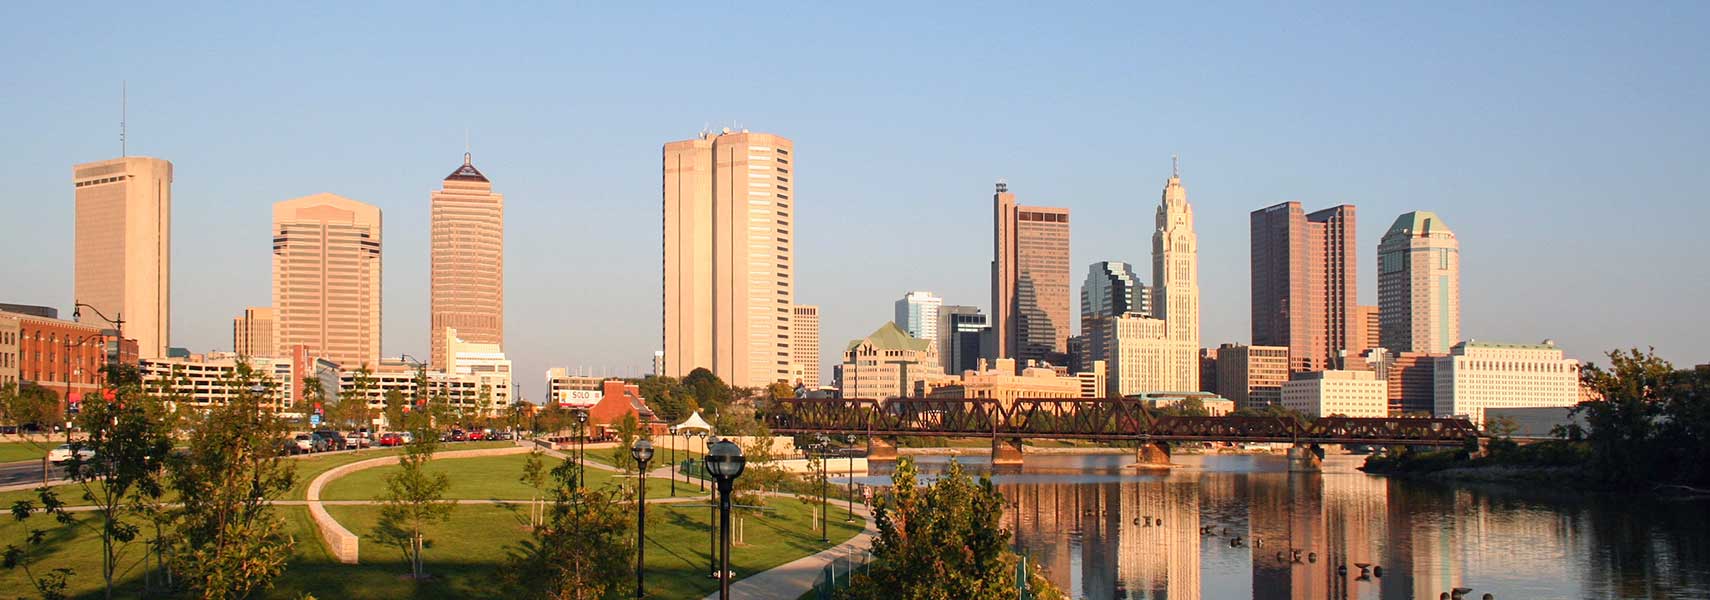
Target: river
1242, 526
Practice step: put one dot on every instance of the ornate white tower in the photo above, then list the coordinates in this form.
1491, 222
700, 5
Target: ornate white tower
1175, 277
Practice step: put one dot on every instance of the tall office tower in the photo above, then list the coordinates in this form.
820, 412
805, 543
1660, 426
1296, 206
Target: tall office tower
468, 262
1365, 336
1419, 285
252, 333
1175, 272
1111, 289
1030, 280
326, 278
729, 204
1304, 289
804, 342
917, 313
123, 243
962, 333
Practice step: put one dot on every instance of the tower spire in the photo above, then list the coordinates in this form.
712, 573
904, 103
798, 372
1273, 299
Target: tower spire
1175, 166
123, 100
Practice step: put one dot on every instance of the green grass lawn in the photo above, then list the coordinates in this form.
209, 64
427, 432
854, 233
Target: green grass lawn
464, 553
17, 451
483, 478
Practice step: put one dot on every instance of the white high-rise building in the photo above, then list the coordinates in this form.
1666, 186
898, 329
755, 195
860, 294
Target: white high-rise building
1175, 275
1479, 375
917, 313
1337, 393
1419, 285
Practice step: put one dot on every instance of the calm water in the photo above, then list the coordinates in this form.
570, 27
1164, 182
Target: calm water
1102, 531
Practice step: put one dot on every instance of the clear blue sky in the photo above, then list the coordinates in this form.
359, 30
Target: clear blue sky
1566, 144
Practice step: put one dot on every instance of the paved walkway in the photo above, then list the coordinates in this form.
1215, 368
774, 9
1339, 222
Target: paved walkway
790, 580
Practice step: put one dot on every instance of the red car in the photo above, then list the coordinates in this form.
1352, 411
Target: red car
477, 435
391, 439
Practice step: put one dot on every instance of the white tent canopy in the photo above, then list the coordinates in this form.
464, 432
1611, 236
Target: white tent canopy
693, 423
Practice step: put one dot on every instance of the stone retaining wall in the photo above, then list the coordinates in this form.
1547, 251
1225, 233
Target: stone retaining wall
340, 541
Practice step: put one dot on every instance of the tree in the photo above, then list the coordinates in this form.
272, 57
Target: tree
314, 396
130, 440
707, 388
628, 430
1649, 422
583, 551
414, 498
32, 406
395, 409
230, 540
668, 398
352, 406
534, 476
780, 391
942, 541
52, 583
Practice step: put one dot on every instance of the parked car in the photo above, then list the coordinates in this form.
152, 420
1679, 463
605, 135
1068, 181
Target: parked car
406, 436
328, 440
303, 442
391, 439
458, 435
477, 435
356, 440
62, 454
501, 435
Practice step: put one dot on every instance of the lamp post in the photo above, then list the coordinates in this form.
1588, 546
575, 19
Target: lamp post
824, 446
581, 448
712, 507
673, 462
850, 518
725, 461
642, 452
701, 482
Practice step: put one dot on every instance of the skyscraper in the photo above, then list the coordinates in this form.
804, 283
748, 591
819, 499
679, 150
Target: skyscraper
326, 278
1111, 289
917, 313
467, 284
729, 268
962, 335
1419, 285
1175, 272
252, 333
1030, 280
1305, 283
123, 243
804, 342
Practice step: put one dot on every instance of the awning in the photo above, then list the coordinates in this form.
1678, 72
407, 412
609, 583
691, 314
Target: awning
693, 423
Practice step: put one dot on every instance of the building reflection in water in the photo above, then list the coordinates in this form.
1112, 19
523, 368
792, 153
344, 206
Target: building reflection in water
1241, 526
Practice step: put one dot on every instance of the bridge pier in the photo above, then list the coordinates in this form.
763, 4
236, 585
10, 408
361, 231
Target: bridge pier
881, 450
1152, 456
1006, 451
1305, 458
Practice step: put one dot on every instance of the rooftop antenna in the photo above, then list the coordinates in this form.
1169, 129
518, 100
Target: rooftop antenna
1175, 166
123, 100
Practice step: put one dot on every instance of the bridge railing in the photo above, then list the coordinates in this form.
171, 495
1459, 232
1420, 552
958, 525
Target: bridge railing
1092, 418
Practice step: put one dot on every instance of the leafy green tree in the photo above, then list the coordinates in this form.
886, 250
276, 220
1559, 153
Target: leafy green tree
130, 440
780, 391
352, 407
534, 476
28, 405
414, 498
395, 409
707, 389
583, 551
668, 398
50, 584
230, 540
941, 541
628, 430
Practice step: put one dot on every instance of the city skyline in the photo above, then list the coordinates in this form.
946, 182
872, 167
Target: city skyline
221, 191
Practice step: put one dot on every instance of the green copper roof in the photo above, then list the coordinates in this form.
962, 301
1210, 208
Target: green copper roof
1417, 223
891, 337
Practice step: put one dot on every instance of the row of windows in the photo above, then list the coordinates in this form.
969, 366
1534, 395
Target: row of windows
102, 180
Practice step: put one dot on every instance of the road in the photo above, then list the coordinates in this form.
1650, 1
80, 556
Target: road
29, 471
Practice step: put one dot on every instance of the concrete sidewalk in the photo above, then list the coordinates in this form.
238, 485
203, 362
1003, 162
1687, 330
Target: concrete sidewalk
790, 580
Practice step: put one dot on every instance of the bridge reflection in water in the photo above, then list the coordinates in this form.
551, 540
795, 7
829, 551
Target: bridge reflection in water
1238, 526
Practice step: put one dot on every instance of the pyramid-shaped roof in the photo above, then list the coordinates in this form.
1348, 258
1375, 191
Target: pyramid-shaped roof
1417, 223
891, 337
693, 423
467, 172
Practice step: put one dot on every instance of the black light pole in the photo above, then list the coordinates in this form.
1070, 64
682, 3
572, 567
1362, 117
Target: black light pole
581, 448
726, 462
701, 481
712, 507
849, 452
824, 478
642, 452
673, 463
